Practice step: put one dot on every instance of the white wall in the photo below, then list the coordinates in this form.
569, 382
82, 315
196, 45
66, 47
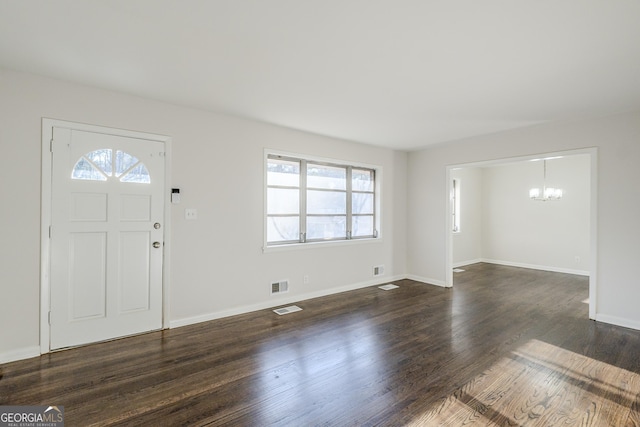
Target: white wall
544, 235
617, 138
467, 244
500, 224
217, 265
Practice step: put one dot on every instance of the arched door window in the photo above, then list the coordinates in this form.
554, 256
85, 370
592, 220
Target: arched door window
103, 164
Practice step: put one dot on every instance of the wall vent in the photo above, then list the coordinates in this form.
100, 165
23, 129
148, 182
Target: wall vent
279, 287
287, 310
378, 270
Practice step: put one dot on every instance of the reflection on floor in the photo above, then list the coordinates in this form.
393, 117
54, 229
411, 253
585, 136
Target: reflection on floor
504, 346
545, 385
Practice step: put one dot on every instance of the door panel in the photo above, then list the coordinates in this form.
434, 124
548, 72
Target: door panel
135, 207
88, 207
134, 271
106, 275
87, 278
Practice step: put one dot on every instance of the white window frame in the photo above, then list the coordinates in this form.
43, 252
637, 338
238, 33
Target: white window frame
303, 188
455, 205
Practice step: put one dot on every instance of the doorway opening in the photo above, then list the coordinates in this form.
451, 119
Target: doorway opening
501, 223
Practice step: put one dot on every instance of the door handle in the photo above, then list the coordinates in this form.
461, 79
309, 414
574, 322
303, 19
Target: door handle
156, 245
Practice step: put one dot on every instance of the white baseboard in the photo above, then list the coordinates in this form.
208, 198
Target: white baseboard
34, 351
19, 354
618, 321
464, 263
427, 280
280, 301
536, 267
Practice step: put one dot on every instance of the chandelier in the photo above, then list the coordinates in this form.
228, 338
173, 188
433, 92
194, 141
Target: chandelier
547, 193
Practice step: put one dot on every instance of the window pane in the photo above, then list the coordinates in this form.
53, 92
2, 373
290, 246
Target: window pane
138, 174
455, 208
283, 172
307, 195
326, 227
362, 203
362, 226
282, 229
85, 170
329, 177
283, 201
124, 161
102, 159
326, 202
362, 179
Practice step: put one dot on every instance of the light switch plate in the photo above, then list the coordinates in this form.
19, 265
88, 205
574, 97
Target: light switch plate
190, 214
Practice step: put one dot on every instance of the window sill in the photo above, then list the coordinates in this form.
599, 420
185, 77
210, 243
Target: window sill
327, 244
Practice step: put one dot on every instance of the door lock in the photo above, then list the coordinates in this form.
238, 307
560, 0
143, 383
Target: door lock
156, 245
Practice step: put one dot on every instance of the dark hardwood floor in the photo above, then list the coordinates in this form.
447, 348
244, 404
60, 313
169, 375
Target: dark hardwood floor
505, 346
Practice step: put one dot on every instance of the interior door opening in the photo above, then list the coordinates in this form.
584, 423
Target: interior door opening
499, 191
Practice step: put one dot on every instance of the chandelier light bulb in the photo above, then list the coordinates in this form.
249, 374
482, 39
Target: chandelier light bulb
547, 193
534, 193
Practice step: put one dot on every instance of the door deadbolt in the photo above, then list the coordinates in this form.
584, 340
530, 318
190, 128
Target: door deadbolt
156, 225
156, 244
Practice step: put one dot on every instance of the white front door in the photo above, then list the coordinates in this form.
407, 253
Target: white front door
107, 213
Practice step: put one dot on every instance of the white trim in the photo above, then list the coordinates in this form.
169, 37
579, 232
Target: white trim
20, 354
448, 243
536, 267
166, 261
593, 222
469, 262
428, 281
45, 217
316, 245
280, 302
45, 223
332, 160
618, 321
522, 265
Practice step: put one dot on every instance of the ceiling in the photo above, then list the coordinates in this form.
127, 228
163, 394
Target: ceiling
397, 73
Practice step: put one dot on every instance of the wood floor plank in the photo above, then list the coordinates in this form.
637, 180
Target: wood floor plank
506, 346
633, 420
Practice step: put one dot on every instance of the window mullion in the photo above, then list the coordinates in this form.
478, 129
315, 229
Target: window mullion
303, 201
324, 223
349, 186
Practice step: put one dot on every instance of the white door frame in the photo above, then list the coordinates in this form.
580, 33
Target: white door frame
593, 262
45, 224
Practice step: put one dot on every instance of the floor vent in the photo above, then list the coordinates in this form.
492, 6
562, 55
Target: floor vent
458, 270
388, 287
287, 310
279, 287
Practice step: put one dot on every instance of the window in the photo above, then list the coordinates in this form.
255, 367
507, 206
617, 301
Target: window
98, 166
311, 201
455, 205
